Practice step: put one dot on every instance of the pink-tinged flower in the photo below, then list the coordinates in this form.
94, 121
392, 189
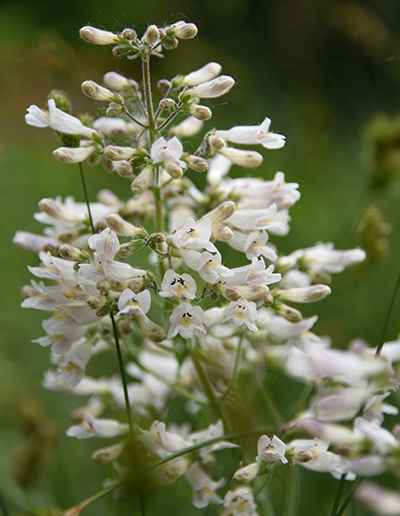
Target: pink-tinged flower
187, 320
379, 500
254, 134
271, 450
98, 36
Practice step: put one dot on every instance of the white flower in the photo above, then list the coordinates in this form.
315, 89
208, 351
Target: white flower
57, 120
187, 320
163, 150
240, 502
92, 427
97, 36
253, 274
271, 450
274, 221
204, 74
203, 487
211, 89
73, 154
253, 244
242, 312
135, 304
195, 235
254, 134
379, 500
206, 264
177, 286
243, 158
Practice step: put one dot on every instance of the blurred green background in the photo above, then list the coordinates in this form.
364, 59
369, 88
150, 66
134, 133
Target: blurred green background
326, 72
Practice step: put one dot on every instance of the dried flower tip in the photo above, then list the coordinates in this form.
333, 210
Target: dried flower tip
290, 314
211, 89
69, 252
108, 454
151, 35
94, 91
182, 30
195, 163
117, 82
207, 73
73, 154
124, 228
247, 473
200, 112
98, 36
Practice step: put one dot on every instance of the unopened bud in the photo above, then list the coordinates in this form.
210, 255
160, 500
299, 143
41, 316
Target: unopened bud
117, 153
97, 36
151, 35
108, 454
129, 34
73, 154
182, 30
129, 248
114, 110
195, 163
170, 43
95, 91
211, 89
151, 330
163, 85
104, 286
230, 293
96, 301
142, 181
303, 456
246, 474
137, 284
173, 169
290, 314
243, 158
69, 252
167, 104
124, 228
157, 238
222, 233
304, 294
199, 112
58, 211
123, 168
221, 212
28, 291
108, 198
118, 82
216, 142
206, 73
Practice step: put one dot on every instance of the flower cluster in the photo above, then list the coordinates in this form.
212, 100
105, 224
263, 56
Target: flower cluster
153, 276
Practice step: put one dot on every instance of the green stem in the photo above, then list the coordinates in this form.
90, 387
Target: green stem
148, 97
389, 313
235, 369
348, 499
77, 509
169, 119
123, 377
86, 197
338, 495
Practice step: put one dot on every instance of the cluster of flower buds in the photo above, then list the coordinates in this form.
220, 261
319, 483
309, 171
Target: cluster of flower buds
153, 272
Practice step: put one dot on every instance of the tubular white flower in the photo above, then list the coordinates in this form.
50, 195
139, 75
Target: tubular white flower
211, 89
204, 74
135, 304
177, 285
253, 134
206, 264
243, 158
271, 450
379, 500
270, 219
187, 320
92, 427
94, 91
304, 294
203, 487
242, 312
117, 82
163, 150
240, 502
195, 235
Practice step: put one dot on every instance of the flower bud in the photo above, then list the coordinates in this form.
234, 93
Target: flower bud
200, 112
142, 181
243, 158
211, 89
216, 142
230, 293
114, 110
221, 212
94, 91
97, 36
124, 228
129, 248
222, 233
96, 301
170, 43
151, 330
129, 34
173, 169
108, 454
290, 314
167, 104
58, 211
163, 85
206, 73
123, 168
69, 252
28, 291
182, 30
195, 163
246, 474
73, 154
157, 238
116, 153
118, 82
104, 286
151, 35
304, 294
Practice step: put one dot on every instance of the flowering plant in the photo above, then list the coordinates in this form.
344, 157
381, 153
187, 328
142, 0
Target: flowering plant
151, 277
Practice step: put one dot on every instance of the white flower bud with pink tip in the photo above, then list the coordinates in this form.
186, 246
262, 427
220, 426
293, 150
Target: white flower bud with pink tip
98, 36
73, 154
